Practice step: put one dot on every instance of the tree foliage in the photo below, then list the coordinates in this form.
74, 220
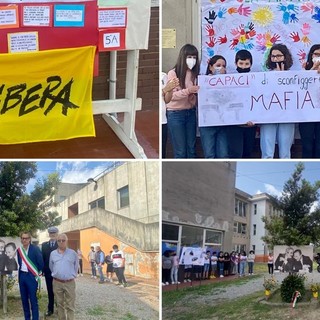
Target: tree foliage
20, 210
298, 224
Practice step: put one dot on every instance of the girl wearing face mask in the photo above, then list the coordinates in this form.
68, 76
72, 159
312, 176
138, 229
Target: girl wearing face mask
310, 131
279, 59
181, 110
214, 138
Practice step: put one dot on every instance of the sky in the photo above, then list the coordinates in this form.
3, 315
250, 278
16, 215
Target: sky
269, 176
70, 171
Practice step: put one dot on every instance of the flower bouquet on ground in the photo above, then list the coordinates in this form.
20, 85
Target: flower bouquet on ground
315, 287
269, 284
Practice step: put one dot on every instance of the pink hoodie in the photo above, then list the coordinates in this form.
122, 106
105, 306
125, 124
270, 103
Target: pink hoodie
180, 99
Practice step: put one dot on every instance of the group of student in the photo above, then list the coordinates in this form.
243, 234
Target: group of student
179, 92
216, 264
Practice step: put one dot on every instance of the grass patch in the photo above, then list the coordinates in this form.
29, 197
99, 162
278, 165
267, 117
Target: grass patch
276, 297
96, 311
170, 298
129, 316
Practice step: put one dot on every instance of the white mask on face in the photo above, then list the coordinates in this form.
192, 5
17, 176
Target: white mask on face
316, 59
191, 62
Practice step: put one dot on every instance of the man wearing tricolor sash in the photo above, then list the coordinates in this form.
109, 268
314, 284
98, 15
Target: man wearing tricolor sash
30, 268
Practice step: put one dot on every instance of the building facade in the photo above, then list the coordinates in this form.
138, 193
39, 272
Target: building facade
121, 207
241, 222
262, 205
198, 204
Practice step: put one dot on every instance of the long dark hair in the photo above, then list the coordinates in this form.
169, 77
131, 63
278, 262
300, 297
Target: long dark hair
309, 63
181, 65
288, 62
213, 60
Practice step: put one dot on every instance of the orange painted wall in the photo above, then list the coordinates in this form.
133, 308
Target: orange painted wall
146, 264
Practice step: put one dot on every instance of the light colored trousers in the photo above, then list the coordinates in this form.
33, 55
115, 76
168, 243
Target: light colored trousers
65, 295
283, 133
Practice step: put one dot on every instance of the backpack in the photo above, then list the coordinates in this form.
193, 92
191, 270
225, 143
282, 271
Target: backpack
108, 259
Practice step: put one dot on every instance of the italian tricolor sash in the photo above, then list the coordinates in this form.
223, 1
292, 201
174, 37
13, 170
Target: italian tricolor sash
30, 265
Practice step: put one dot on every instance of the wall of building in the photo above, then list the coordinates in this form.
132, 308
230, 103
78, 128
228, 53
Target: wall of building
262, 207
238, 238
200, 194
142, 177
181, 15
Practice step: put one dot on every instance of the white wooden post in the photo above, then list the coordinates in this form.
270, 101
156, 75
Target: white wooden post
125, 130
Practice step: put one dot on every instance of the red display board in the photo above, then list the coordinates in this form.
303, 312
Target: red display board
54, 36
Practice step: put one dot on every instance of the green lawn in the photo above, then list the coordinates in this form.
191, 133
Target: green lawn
178, 304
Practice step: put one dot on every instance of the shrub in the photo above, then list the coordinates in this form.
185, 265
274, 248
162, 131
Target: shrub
293, 282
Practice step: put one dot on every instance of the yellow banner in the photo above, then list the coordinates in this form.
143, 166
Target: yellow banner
46, 95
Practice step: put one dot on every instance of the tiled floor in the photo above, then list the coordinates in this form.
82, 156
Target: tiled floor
105, 145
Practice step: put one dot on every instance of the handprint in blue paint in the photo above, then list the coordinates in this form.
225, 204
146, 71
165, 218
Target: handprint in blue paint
221, 13
293, 18
317, 15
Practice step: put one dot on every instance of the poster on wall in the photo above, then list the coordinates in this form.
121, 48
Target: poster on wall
8, 254
229, 26
293, 259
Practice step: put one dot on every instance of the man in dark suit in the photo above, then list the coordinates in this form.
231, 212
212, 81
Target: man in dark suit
30, 267
47, 248
301, 262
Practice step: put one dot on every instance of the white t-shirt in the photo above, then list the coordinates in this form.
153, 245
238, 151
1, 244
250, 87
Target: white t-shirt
117, 259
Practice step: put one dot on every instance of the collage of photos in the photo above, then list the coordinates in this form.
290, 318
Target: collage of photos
159, 159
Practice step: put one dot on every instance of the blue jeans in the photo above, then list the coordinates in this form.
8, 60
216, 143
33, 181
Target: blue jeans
214, 142
93, 268
310, 139
100, 270
283, 133
182, 126
221, 269
250, 267
241, 141
242, 266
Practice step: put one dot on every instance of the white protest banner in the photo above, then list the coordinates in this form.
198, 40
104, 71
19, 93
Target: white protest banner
192, 256
260, 97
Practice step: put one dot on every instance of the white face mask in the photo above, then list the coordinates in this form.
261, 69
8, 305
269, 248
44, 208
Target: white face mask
191, 62
316, 59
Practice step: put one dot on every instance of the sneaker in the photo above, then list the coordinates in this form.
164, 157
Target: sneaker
91, 277
163, 284
101, 282
94, 277
172, 282
121, 286
189, 280
167, 283
125, 284
81, 274
185, 280
110, 280
178, 282
221, 276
